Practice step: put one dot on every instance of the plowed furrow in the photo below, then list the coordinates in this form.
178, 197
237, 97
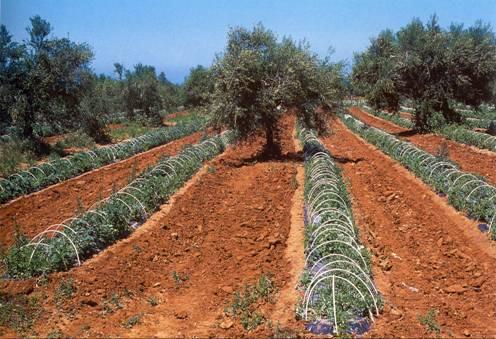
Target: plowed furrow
426, 256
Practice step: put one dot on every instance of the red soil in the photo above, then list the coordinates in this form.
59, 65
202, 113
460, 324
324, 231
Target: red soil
226, 229
177, 114
469, 158
425, 254
34, 212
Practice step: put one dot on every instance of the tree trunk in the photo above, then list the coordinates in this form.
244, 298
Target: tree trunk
269, 135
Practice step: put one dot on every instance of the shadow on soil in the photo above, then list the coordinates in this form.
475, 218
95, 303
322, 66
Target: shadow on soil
409, 133
263, 156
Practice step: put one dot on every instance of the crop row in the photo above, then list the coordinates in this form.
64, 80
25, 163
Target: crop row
394, 118
68, 243
339, 293
465, 191
48, 173
456, 133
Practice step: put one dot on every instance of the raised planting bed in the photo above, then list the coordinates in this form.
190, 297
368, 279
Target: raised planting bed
48, 173
62, 246
339, 294
467, 192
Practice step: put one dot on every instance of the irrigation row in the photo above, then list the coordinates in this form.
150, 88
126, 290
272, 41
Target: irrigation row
467, 192
63, 245
340, 296
454, 132
48, 173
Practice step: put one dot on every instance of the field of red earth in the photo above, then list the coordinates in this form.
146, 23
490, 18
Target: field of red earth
33, 213
241, 217
226, 227
470, 159
426, 255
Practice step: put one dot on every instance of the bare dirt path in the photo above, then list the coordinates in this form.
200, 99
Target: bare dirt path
469, 158
284, 313
426, 256
227, 229
34, 212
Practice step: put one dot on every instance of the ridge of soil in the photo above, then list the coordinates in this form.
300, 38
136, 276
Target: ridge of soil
470, 158
425, 255
226, 229
34, 212
285, 308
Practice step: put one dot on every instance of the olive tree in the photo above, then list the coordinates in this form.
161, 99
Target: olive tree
375, 72
433, 67
198, 86
258, 78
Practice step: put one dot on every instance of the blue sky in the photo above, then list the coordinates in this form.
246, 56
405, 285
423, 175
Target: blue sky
174, 35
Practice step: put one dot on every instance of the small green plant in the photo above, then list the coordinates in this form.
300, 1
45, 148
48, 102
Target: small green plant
179, 279
19, 312
211, 169
133, 321
250, 321
153, 301
429, 321
65, 290
112, 304
244, 304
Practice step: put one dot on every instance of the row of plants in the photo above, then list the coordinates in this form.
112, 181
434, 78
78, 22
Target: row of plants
394, 118
64, 245
477, 123
467, 192
465, 136
454, 132
339, 294
50, 172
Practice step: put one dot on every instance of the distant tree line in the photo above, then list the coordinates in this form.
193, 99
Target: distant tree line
432, 67
47, 86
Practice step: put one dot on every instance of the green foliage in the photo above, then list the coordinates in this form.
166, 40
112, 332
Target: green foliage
52, 76
245, 303
433, 67
141, 91
115, 217
198, 86
112, 304
131, 129
13, 154
179, 279
153, 301
461, 134
375, 73
437, 122
394, 118
19, 312
47, 173
65, 290
332, 243
77, 139
258, 78
467, 192
133, 320
429, 321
